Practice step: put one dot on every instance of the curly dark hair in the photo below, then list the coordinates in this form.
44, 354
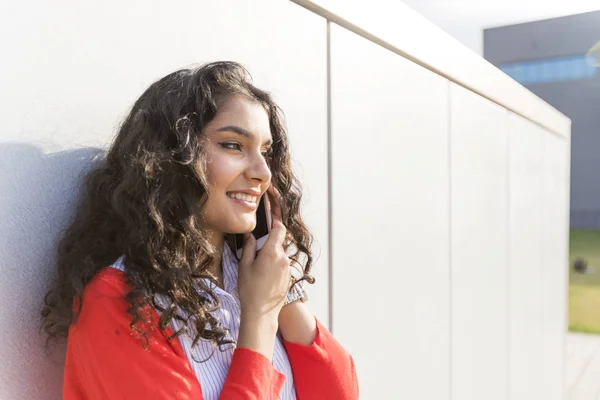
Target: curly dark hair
142, 203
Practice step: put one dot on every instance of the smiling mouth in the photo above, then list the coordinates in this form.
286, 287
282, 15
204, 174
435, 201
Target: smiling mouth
244, 197
249, 202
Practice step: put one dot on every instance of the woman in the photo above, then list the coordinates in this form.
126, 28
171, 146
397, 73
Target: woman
153, 301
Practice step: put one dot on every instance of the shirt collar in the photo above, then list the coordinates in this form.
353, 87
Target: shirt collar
230, 271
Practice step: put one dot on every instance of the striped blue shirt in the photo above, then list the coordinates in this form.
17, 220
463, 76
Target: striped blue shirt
212, 373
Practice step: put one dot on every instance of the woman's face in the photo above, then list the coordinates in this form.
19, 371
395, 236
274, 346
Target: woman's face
236, 143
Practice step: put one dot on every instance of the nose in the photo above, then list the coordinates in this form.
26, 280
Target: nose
259, 170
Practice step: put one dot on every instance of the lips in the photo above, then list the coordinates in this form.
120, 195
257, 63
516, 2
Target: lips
243, 196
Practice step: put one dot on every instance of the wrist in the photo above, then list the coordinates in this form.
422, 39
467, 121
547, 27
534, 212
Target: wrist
258, 322
258, 334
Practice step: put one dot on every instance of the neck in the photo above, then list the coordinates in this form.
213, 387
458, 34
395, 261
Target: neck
217, 240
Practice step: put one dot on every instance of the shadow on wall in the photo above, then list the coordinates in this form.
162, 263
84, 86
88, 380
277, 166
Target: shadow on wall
38, 194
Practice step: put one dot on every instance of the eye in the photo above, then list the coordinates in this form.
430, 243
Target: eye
231, 146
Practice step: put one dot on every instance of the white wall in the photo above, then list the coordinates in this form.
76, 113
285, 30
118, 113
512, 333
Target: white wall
449, 181
525, 266
555, 158
479, 249
390, 218
440, 179
71, 70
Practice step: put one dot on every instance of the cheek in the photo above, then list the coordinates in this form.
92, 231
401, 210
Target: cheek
221, 173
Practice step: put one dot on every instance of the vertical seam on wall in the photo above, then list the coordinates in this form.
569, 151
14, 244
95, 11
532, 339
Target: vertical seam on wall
567, 232
542, 255
329, 182
450, 344
508, 254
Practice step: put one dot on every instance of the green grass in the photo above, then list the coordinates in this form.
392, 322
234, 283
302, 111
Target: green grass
584, 289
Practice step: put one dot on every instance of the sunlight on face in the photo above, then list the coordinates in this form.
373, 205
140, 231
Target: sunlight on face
236, 143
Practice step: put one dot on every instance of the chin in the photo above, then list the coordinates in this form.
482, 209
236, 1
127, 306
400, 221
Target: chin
243, 228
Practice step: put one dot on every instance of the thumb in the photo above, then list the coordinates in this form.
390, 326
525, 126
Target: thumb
249, 249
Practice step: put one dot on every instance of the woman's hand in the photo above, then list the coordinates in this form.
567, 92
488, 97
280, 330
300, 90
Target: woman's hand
263, 283
264, 279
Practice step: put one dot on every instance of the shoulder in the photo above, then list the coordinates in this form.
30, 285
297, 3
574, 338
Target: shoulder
106, 310
105, 293
105, 320
103, 304
108, 281
105, 354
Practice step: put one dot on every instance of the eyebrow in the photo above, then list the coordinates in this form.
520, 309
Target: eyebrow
243, 132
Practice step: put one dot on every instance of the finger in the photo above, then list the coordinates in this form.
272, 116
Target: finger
268, 212
277, 235
275, 202
249, 249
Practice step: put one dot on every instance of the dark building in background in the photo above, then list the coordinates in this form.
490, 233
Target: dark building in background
549, 58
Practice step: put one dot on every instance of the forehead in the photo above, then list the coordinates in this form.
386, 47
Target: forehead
247, 114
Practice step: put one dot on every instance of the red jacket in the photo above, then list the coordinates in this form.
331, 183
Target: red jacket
106, 360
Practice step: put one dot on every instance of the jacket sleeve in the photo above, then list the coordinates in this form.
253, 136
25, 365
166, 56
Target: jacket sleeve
251, 376
106, 359
324, 369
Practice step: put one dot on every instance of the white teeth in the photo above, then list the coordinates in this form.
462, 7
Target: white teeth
242, 196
